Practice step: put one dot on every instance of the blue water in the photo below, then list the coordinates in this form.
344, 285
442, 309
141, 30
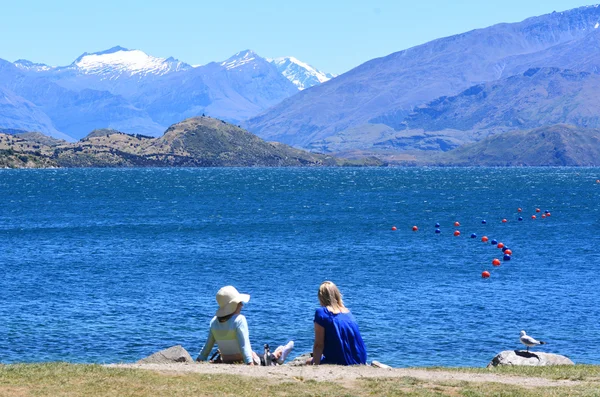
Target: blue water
112, 265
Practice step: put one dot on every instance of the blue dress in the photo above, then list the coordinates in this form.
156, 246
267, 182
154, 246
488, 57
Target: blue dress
343, 343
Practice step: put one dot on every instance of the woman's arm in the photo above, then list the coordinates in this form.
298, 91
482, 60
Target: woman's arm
210, 342
319, 344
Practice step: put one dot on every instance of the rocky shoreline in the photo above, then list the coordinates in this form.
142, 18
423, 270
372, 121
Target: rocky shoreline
340, 374
177, 360
178, 355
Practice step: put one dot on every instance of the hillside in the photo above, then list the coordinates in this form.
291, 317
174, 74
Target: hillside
557, 145
195, 142
533, 99
397, 83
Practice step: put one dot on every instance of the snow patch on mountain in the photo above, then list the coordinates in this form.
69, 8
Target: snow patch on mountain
24, 64
300, 73
240, 59
120, 61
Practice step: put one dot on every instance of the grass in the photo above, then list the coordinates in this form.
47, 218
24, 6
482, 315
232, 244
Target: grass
66, 380
590, 373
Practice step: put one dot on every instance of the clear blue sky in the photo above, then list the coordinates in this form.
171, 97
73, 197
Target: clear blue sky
332, 35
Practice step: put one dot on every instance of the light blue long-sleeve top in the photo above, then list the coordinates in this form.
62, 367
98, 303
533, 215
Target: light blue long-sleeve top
231, 336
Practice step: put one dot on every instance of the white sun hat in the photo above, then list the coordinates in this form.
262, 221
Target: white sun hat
228, 299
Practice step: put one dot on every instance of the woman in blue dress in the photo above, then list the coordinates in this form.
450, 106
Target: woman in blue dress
337, 337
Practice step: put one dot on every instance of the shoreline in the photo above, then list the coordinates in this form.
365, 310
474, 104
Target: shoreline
345, 375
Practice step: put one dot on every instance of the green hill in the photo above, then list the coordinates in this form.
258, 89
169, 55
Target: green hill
195, 142
557, 145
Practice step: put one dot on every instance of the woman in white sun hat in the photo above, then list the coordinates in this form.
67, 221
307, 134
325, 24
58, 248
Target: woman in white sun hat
229, 329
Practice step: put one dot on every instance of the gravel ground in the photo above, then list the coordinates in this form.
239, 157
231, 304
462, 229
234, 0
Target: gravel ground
341, 374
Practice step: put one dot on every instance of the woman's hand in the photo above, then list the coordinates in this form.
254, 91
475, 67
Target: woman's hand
319, 344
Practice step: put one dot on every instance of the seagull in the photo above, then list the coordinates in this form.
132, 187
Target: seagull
529, 341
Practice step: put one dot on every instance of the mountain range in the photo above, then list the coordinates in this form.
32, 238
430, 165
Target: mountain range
137, 93
435, 97
394, 102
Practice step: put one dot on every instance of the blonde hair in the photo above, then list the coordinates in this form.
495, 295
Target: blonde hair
330, 296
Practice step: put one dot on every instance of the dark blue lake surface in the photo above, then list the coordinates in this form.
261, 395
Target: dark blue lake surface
112, 265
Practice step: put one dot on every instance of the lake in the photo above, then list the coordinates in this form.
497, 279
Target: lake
111, 265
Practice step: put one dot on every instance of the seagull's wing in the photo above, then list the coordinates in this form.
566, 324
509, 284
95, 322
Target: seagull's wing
529, 341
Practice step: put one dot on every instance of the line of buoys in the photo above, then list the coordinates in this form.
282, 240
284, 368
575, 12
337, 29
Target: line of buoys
394, 228
507, 253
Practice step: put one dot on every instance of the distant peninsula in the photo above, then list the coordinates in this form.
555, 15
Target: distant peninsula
194, 142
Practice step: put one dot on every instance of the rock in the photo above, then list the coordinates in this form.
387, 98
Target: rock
523, 357
299, 361
174, 354
377, 364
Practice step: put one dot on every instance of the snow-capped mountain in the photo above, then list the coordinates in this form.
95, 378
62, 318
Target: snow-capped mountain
24, 64
301, 74
135, 92
240, 59
119, 61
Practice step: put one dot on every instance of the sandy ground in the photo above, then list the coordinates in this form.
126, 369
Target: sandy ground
346, 375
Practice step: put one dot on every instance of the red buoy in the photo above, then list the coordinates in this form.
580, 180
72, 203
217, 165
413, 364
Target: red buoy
504, 221
485, 274
394, 228
548, 214
456, 233
456, 224
496, 262
500, 245
508, 252
415, 228
519, 210
537, 210
533, 217
484, 239
543, 216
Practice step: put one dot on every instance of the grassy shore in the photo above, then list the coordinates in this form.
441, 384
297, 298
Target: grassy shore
59, 379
